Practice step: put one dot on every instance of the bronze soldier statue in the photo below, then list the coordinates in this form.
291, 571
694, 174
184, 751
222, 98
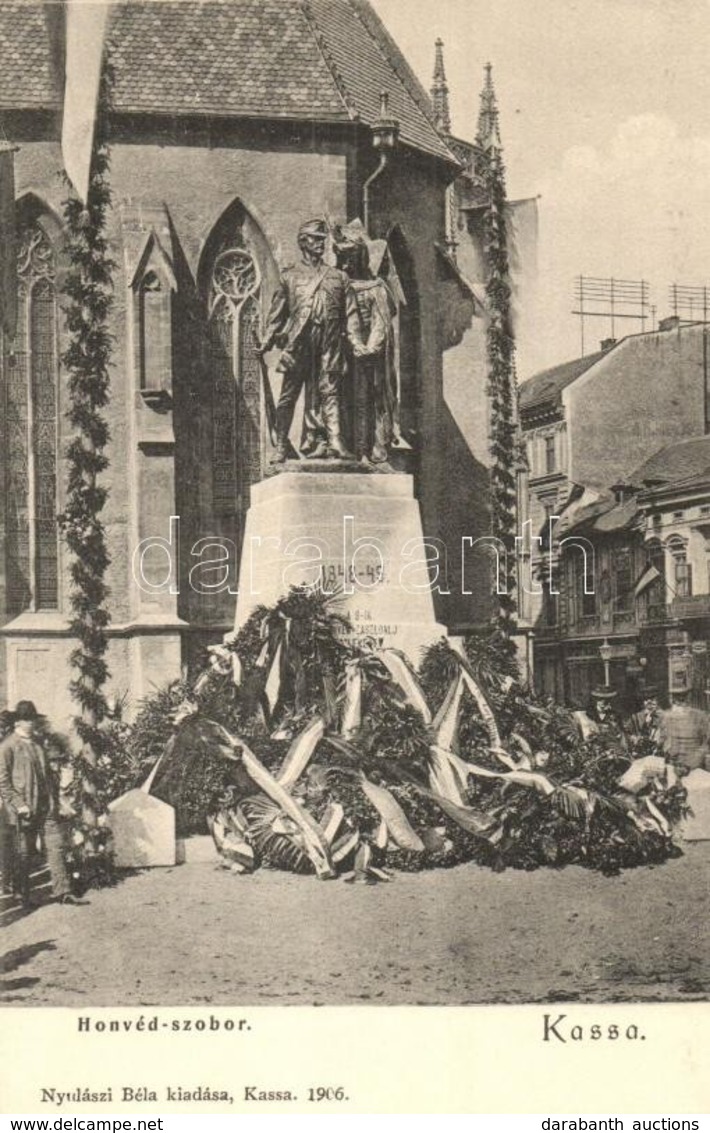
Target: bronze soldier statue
308, 320
371, 341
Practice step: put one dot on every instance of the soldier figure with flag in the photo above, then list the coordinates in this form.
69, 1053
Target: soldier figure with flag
309, 317
371, 343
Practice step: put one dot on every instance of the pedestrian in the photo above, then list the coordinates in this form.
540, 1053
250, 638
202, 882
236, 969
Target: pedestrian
600, 717
7, 831
28, 794
686, 731
57, 824
646, 723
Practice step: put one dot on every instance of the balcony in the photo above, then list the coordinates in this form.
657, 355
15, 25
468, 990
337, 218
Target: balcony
655, 615
697, 606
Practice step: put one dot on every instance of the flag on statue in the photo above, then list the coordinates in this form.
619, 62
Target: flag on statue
84, 32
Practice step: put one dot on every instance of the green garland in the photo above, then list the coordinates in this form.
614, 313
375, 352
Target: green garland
500, 345
88, 288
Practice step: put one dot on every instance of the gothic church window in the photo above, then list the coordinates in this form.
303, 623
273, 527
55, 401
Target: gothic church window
236, 441
30, 396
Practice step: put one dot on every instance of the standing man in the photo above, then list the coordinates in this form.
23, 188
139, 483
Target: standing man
600, 718
7, 832
685, 732
308, 320
26, 789
372, 345
646, 724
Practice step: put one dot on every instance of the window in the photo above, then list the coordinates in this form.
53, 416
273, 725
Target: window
549, 607
623, 581
550, 455
236, 439
682, 572
582, 583
30, 396
683, 577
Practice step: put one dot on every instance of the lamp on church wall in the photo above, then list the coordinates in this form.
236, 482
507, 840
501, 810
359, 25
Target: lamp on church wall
385, 132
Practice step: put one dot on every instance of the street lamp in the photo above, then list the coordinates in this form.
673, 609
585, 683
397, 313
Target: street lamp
605, 654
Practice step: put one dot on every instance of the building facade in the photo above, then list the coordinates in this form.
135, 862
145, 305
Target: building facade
631, 590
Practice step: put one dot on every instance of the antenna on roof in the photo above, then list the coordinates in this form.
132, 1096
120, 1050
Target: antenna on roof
690, 304
591, 291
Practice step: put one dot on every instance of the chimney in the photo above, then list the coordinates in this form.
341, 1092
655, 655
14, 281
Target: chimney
623, 492
606, 344
671, 323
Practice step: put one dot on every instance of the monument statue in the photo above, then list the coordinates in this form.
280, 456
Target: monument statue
371, 341
312, 311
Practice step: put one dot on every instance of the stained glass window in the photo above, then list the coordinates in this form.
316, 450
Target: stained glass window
236, 388
30, 388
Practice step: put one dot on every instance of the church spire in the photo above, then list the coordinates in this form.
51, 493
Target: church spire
488, 135
440, 90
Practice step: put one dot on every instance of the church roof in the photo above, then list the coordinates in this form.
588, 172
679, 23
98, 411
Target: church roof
319, 60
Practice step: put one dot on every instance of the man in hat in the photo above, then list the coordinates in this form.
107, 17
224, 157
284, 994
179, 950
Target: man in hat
600, 718
645, 725
27, 791
372, 346
308, 320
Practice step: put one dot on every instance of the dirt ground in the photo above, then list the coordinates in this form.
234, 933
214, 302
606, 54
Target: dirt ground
197, 934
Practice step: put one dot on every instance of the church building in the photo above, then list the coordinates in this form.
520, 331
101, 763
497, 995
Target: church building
232, 122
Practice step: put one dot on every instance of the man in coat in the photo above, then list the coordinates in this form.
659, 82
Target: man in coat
686, 733
28, 791
600, 718
308, 320
646, 723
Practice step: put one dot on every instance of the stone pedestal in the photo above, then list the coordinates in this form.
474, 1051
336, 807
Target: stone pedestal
143, 830
358, 535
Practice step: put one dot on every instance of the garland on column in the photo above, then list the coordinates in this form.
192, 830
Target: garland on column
501, 357
88, 288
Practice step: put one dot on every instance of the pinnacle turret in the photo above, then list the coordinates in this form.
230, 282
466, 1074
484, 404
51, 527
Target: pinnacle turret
440, 90
488, 134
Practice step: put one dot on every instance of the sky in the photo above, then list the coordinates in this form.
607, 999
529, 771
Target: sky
605, 115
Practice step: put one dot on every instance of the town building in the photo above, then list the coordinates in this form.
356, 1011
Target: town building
589, 423
631, 589
232, 122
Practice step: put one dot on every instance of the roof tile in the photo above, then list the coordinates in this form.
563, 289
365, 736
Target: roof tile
291, 59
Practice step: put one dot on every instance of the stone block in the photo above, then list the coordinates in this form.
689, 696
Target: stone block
143, 830
696, 827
